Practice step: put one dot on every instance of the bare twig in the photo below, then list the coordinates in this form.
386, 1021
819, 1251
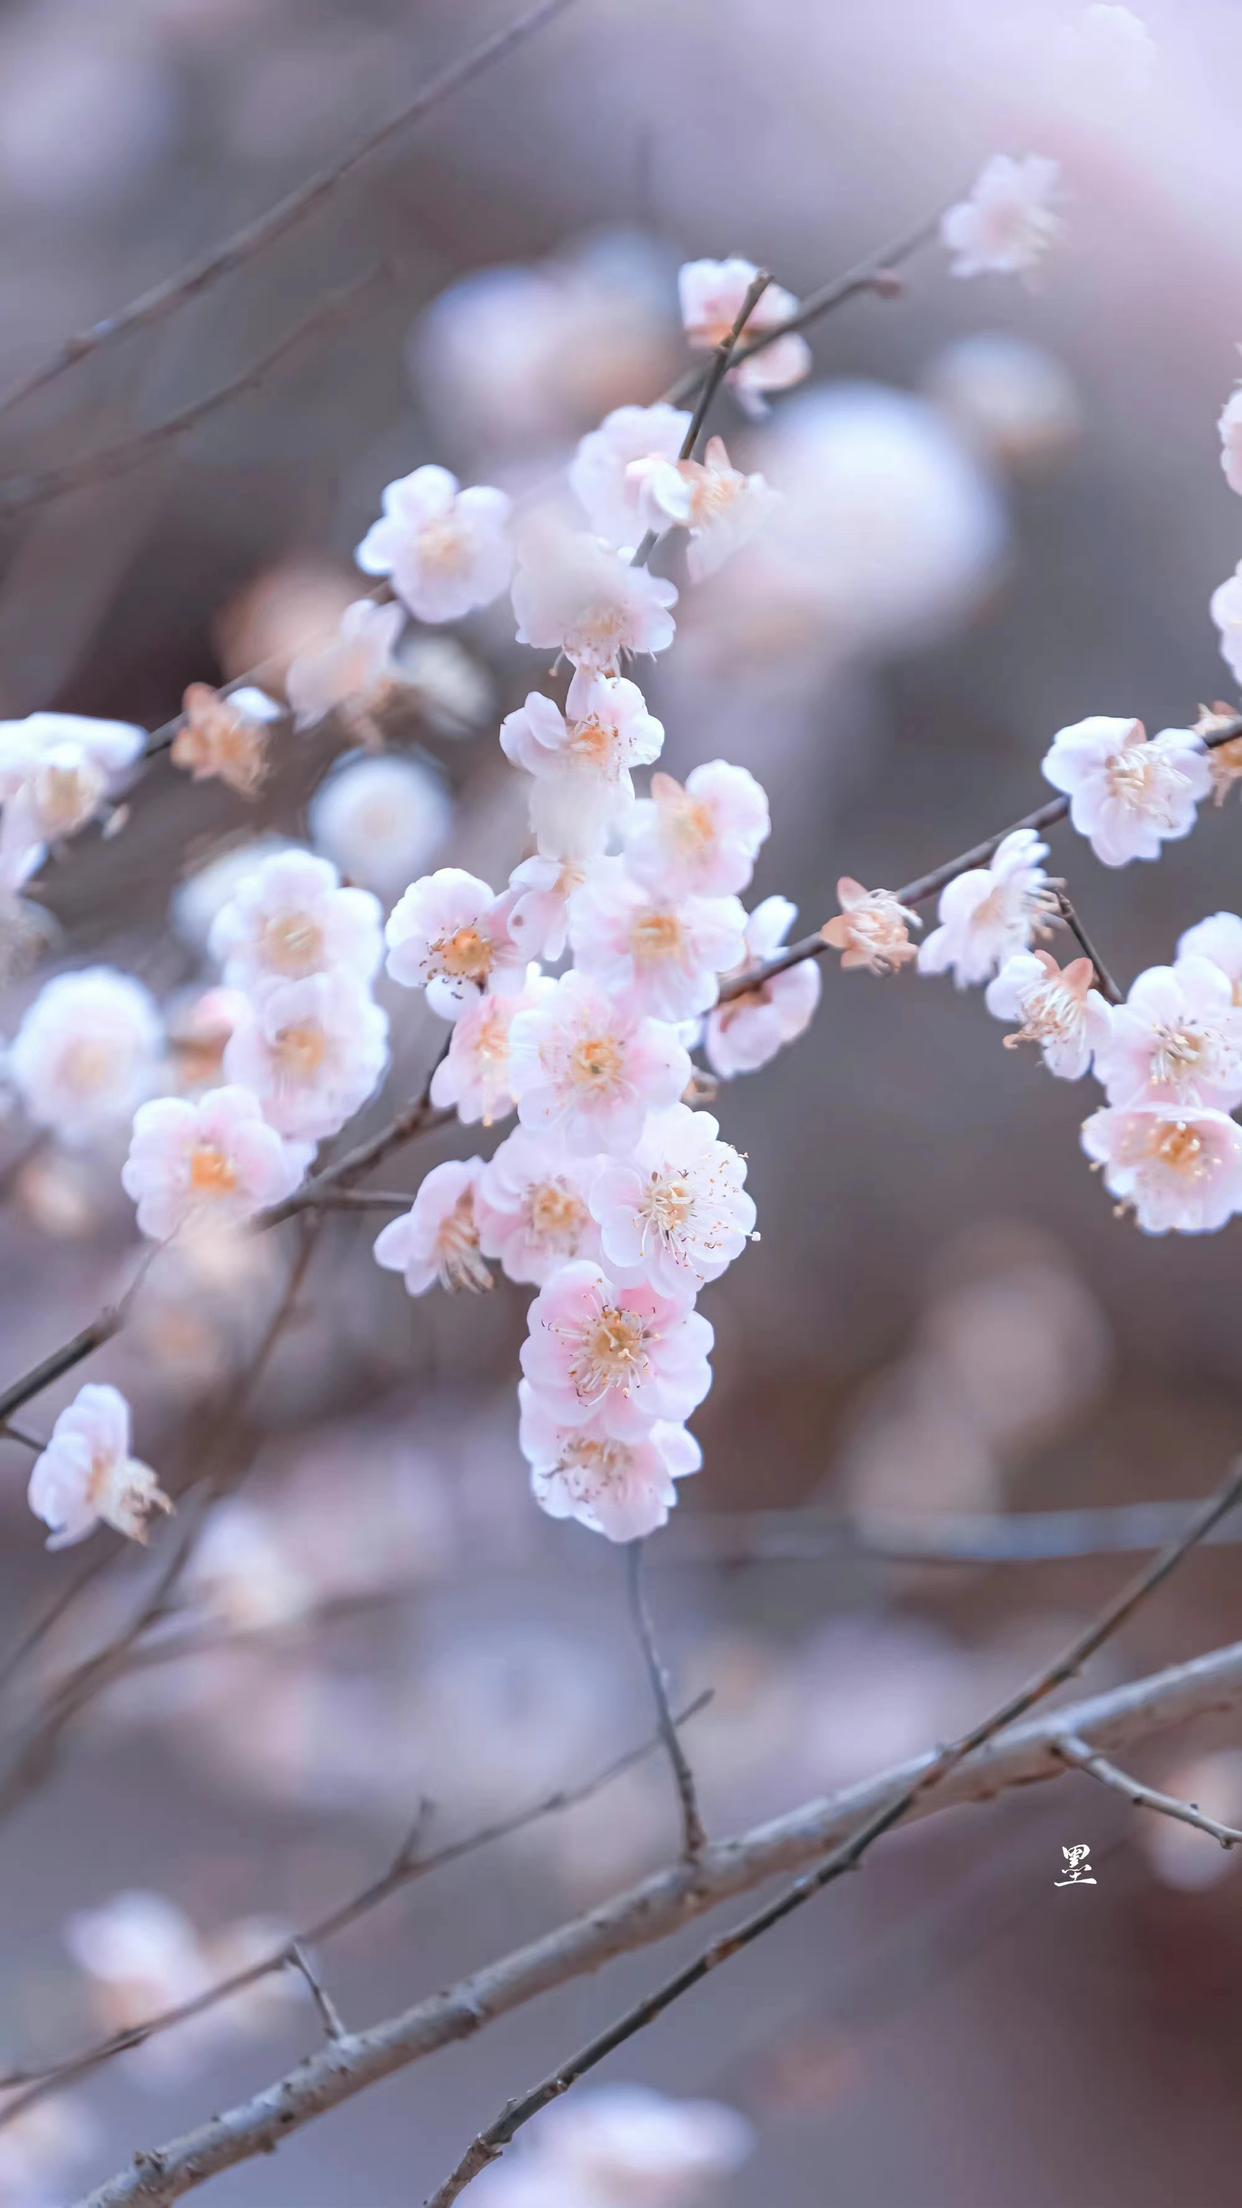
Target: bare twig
198, 276
1085, 1758
329, 2015
1104, 981
693, 1836
658, 1906
712, 378
951, 1538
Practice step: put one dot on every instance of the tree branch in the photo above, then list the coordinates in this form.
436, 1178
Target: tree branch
717, 370
1104, 981
693, 1836
1085, 1758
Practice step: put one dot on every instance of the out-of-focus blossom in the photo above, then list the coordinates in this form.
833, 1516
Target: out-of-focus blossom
666, 952
449, 934
1179, 1855
437, 1239
747, 1031
86, 1476
627, 2146
212, 1162
615, 1355
142, 1955
313, 1051
352, 669
198, 1024
623, 1489
712, 295
989, 912
289, 918
1218, 938
380, 818
38, 2144
447, 550
1014, 400
86, 112
242, 1574
225, 739
701, 840
1179, 1171
1107, 61
474, 1077
719, 505
1225, 606
1230, 426
871, 930
1224, 757
532, 1207
57, 770
206, 890
676, 1211
452, 690
575, 594
1058, 1009
581, 761
86, 1052
1177, 1040
542, 888
589, 1067
607, 473
1128, 792
1009, 221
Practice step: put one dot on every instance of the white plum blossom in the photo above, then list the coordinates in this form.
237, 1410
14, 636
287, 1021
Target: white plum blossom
211, 1161
581, 760
313, 1051
57, 771
602, 476
666, 951
38, 2144
1178, 1171
574, 594
539, 919
447, 550
748, 1030
989, 912
86, 1476
1128, 792
437, 1239
675, 1212
86, 1052
701, 839
1176, 1041
1008, 222
622, 1489
720, 506
615, 1354
449, 934
474, 1076
532, 1207
1230, 427
1059, 1009
1225, 606
142, 1953
1016, 401
590, 1066
380, 818
352, 669
1219, 938
712, 294
872, 930
626, 2146
289, 918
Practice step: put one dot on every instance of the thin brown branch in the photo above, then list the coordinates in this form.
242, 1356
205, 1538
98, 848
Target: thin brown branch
329, 2015
712, 378
1104, 981
198, 276
657, 1907
491, 2142
693, 1836
950, 1538
21, 492
1085, 1758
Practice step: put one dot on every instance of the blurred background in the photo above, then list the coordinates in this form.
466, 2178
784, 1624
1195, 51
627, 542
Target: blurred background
1021, 516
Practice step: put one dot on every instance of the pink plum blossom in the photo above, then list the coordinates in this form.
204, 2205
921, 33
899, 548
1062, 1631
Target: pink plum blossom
352, 668
748, 1030
542, 888
614, 1354
871, 930
701, 840
590, 1066
989, 912
622, 1489
474, 1077
86, 1052
447, 550
437, 1239
627, 2146
1008, 222
313, 1051
290, 918
719, 506
1058, 1009
1219, 939
1128, 792
211, 1161
86, 1476
1178, 1171
581, 760
712, 294
676, 1211
601, 473
1176, 1041
380, 817
449, 934
532, 1207
57, 770
666, 951
574, 594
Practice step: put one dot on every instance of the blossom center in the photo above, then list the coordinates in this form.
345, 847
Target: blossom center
596, 1063
87, 1066
587, 1467
293, 944
458, 1258
301, 1049
211, 1171
593, 744
556, 1214
444, 546
465, 956
611, 1353
656, 936
667, 1207
1143, 783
